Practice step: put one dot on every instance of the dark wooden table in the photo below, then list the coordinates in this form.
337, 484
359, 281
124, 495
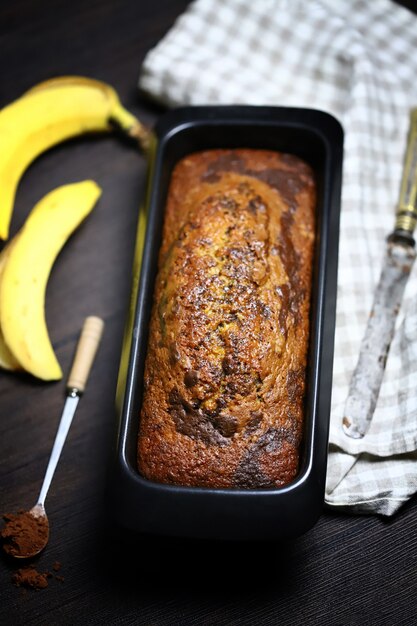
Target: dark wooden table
346, 570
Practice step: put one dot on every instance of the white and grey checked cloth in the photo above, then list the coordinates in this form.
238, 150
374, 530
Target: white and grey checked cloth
356, 59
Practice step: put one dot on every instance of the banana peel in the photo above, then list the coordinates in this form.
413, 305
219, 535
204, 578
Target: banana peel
26, 268
47, 114
50, 113
7, 359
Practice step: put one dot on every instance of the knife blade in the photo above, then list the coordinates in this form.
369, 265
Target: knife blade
398, 261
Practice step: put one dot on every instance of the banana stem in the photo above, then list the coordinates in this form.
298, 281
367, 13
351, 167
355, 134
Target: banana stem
130, 125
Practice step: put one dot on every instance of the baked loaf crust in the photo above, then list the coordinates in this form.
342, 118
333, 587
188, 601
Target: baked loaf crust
224, 381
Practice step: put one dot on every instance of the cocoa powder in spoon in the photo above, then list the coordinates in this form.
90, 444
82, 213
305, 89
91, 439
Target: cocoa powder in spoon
23, 533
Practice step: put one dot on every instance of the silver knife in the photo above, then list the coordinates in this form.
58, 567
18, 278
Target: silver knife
398, 262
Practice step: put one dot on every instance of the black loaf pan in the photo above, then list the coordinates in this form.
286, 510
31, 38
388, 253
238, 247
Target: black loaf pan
145, 506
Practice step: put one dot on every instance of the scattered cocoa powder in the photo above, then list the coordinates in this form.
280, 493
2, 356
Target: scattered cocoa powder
56, 566
30, 577
23, 533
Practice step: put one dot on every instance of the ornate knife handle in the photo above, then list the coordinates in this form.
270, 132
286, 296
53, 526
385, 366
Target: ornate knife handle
406, 219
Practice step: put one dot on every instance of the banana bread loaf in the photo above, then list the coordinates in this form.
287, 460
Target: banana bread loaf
224, 380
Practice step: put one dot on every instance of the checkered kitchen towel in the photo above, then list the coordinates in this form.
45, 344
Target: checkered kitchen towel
357, 60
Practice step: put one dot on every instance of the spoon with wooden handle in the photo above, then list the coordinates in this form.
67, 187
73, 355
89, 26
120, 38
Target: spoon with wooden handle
27, 533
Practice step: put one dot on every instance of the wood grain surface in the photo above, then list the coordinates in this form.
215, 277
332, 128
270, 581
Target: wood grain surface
347, 570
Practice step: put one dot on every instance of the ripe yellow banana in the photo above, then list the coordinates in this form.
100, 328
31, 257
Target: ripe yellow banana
48, 114
26, 272
7, 360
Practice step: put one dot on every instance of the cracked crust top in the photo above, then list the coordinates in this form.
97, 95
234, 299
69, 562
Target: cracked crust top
224, 379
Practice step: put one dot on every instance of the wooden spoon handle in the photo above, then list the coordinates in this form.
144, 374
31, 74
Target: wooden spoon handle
85, 353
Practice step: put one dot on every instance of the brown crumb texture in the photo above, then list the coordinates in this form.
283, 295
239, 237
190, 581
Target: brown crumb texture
23, 533
30, 578
224, 378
